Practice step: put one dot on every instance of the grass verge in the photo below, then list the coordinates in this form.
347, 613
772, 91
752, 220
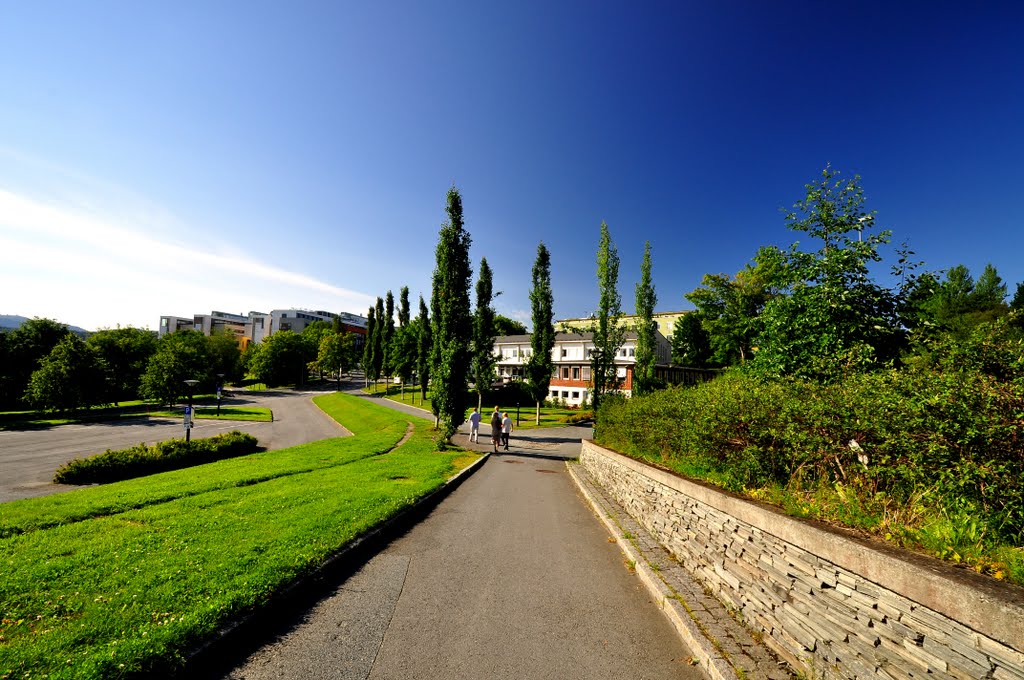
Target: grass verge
123, 580
29, 420
550, 416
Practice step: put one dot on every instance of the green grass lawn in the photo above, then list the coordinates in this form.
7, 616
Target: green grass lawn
122, 579
26, 420
549, 416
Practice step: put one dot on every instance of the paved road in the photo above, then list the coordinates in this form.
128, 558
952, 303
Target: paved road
509, 577
28, 458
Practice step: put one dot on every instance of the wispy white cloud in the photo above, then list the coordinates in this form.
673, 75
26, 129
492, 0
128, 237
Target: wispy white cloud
93, 270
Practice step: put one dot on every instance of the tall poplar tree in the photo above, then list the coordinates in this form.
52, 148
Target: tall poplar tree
403, 345
540, 365
371, 326
483, 333
378, 343
453, 326
646, 338
608, 332
424, 345
388, 357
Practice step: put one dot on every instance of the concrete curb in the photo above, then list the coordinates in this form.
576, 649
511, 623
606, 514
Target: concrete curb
237, 637
709, 658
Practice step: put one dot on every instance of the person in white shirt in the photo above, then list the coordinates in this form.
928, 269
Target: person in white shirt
474, 426
506, 430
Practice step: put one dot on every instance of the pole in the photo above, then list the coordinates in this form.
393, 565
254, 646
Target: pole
189, 415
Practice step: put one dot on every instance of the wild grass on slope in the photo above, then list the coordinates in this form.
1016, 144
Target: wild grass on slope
118, 582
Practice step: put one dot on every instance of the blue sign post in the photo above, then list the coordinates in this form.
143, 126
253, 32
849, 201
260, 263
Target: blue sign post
188, 422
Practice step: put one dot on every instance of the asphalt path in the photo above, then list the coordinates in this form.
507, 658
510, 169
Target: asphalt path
511, 576
29, 458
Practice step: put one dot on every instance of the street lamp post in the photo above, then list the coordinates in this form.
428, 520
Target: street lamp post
188, 411
220, 384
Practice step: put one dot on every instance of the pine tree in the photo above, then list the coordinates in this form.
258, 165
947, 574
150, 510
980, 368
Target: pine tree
452, 323
646, 338
540, 365
483, 333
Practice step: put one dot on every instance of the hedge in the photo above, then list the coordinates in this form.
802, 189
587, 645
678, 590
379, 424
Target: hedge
953, 438
141, 460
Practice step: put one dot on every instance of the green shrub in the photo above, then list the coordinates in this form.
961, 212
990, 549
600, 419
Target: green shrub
141, 460
952, 438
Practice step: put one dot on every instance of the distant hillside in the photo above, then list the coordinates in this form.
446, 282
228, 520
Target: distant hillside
9, 322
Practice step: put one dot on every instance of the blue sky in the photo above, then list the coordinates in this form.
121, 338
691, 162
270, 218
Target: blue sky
176, 158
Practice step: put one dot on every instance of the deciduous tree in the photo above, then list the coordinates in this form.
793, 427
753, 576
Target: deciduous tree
646, 328
27, 345
835, 319
335, 354
424, 347
282, 359
71, 377
403, 345
125, 353
452, 323
483, 333
691, 345
371, 329
388, 357
180, 356
540, 365
506, 326
608, 331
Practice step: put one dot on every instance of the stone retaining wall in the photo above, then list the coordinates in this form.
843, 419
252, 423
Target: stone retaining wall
833, 605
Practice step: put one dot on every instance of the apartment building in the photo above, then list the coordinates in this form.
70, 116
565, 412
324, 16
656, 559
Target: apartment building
256, 326
571, 379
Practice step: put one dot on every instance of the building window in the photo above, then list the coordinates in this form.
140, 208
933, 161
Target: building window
575, 395
586, 372
554, 394
632, 352
564, 353
620, 371
565, 394
575, 372
515, 353
565, 372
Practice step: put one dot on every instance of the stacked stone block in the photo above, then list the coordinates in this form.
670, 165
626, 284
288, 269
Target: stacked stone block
829, 604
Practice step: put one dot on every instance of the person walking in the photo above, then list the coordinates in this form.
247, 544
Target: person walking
474, 426
496, 428
506, 430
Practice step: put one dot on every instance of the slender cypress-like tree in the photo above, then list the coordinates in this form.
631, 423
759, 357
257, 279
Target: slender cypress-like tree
542, 302
646, 339
378, 343
403, 307
607, 328
371, 324
453, 327
483, 333
403, 345
424, 345
388, 361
